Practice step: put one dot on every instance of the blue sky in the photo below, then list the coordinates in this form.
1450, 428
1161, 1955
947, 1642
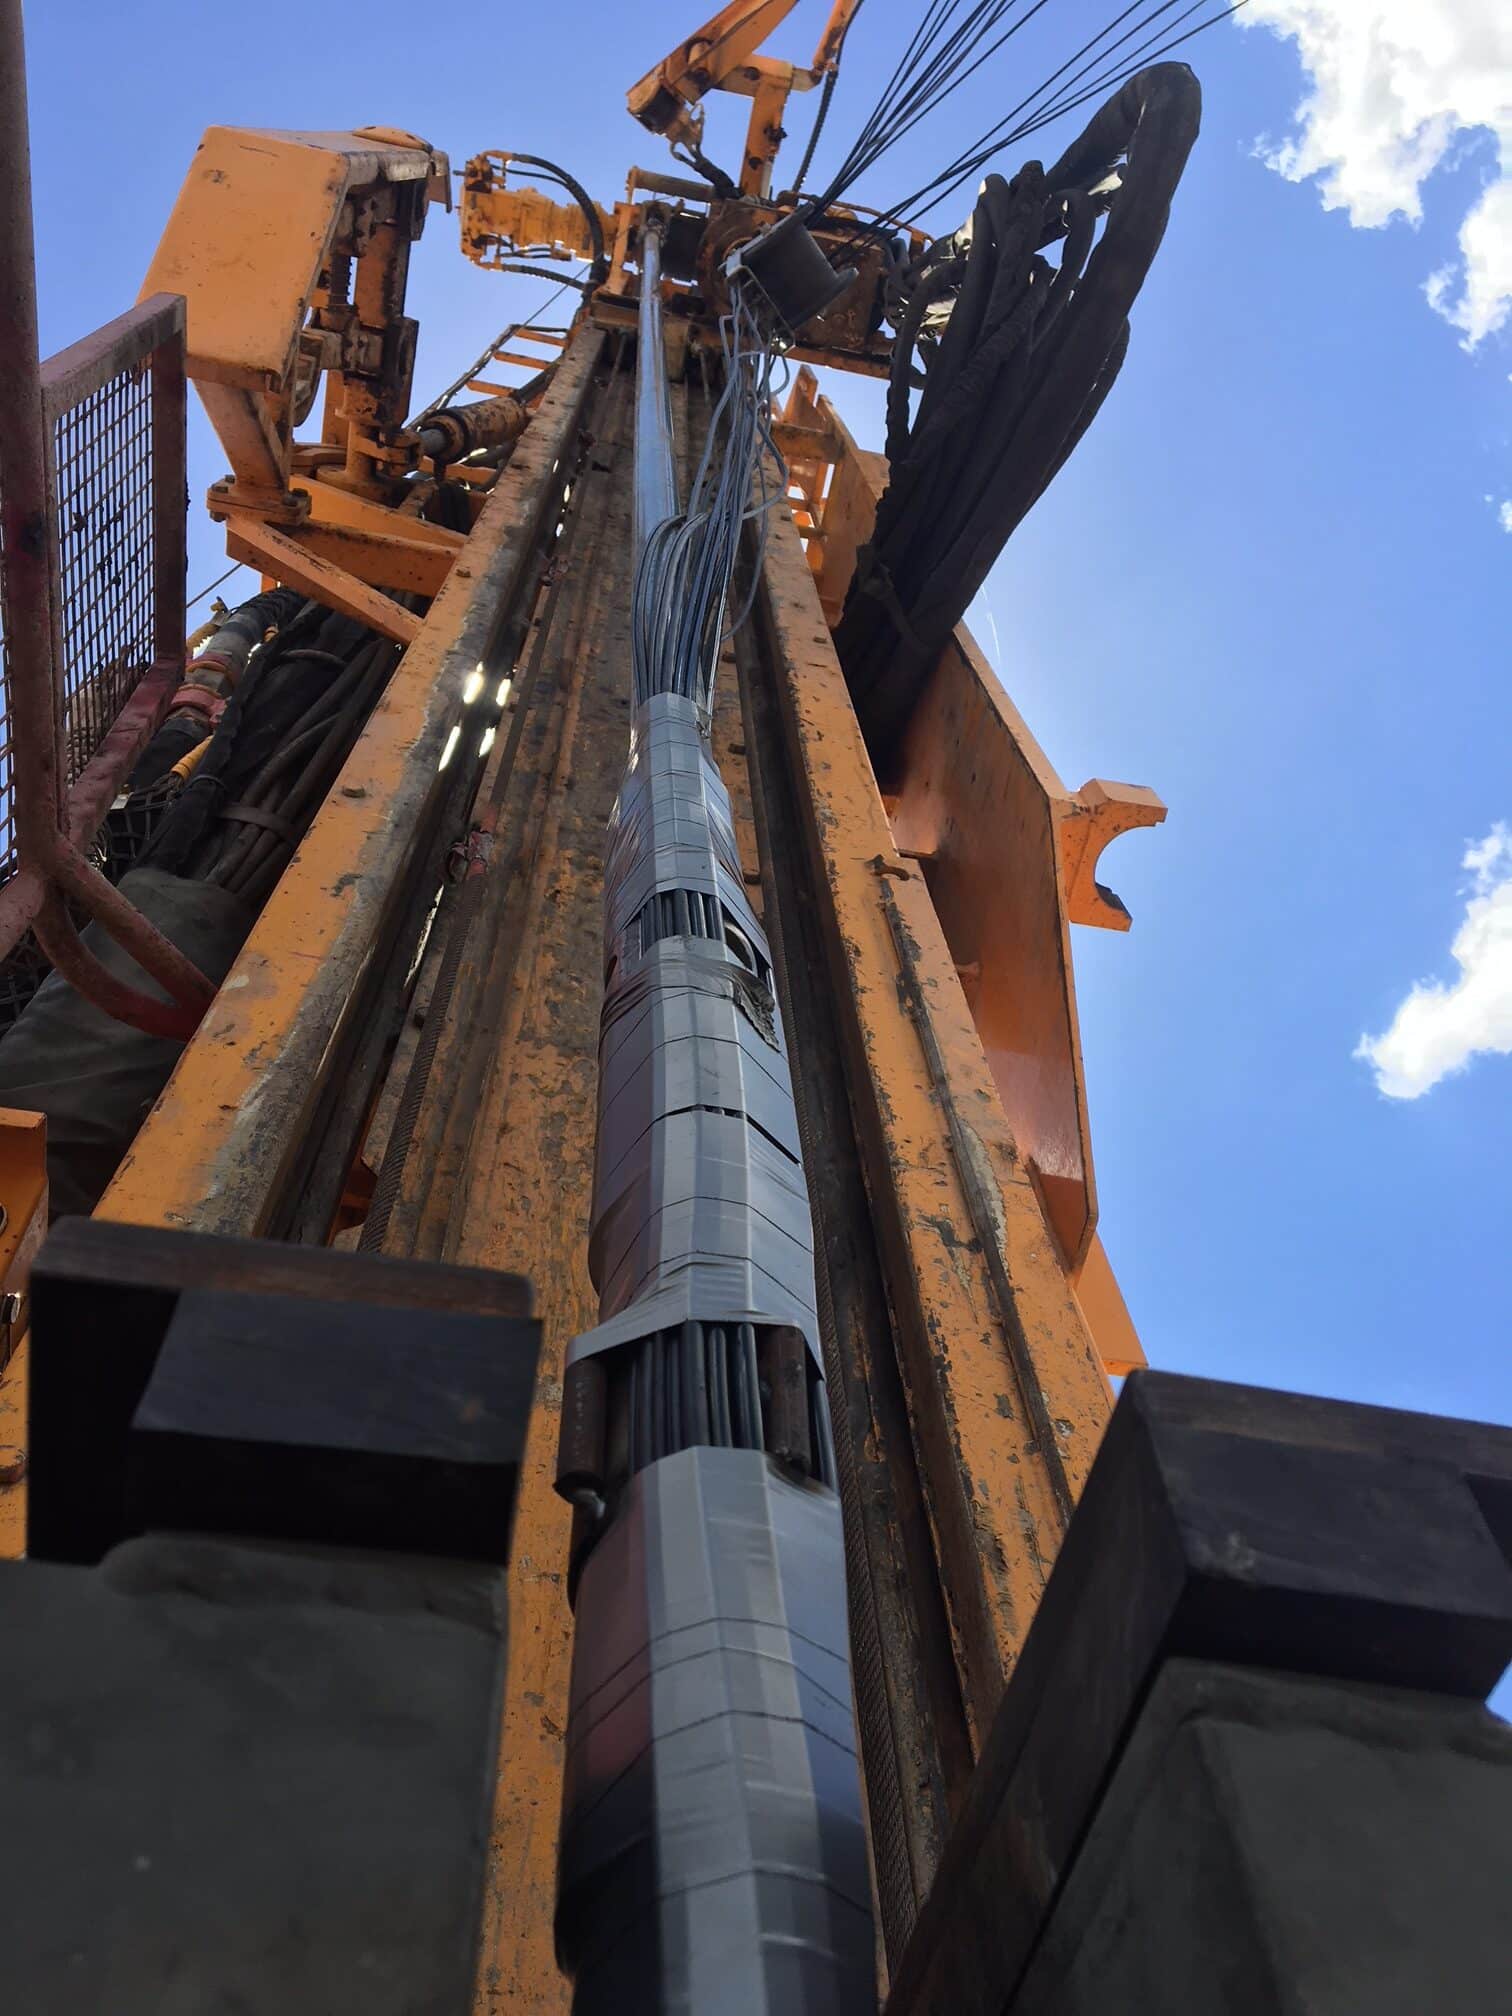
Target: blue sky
1272, 582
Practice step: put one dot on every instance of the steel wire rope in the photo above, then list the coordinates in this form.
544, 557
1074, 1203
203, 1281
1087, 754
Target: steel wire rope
467, 896
1051, 99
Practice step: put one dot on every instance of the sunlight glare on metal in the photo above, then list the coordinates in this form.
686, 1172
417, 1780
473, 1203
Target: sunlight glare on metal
451, 745
506, 686
473, 687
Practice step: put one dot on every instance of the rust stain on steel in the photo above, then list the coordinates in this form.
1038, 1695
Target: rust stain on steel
527, 1193
214, 1148
501, 1163
992, 1496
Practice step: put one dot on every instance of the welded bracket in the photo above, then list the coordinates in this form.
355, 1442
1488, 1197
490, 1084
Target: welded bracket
1097, 814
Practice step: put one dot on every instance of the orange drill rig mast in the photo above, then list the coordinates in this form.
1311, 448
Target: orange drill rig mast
567, 1422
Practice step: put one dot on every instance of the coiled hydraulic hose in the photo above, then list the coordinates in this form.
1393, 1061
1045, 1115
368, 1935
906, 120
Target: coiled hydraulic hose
1027, 355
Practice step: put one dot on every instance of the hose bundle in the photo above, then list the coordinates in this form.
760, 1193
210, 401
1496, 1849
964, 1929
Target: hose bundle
684, 573
275, 753
1019, 355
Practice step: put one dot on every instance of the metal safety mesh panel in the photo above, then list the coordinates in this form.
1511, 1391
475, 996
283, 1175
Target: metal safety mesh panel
103, 450
103, 473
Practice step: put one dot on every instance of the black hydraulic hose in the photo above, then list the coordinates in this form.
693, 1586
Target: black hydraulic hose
270, 609
266, 860
940, 281
218, 667
545, 273
1027, 356
575, 189
307, 728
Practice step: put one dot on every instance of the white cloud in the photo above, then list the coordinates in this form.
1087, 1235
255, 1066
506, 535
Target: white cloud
1438, 1028
1395, 85
1504, 512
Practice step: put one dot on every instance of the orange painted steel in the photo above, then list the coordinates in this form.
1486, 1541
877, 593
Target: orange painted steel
722, 56
501, 1165
500, 221
976, 799
215, 1149
278, 557
246, 245
1008, 853
525, 1190
1006, 1394
1101, 1302
269, 234
1097, 814
23, 1225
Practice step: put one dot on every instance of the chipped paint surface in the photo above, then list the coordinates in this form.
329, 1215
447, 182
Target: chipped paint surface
224, 1131
990, 1488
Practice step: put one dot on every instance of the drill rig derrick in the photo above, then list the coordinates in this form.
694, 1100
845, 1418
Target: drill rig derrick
679, 922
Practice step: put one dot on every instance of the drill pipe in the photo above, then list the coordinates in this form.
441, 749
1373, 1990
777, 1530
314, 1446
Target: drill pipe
712, 1855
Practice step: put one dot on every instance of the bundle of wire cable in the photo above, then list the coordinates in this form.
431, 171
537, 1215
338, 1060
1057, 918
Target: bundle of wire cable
688, 562
953, 40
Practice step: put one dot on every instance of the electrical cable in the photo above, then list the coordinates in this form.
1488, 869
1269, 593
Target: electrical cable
1077, 90
1019, 356
951, 43
683, 578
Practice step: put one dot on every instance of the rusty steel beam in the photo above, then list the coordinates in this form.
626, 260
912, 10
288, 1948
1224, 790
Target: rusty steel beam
73, 373
217, 1149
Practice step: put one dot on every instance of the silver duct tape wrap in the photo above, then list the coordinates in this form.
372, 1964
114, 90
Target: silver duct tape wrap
713, 1853
700, 1208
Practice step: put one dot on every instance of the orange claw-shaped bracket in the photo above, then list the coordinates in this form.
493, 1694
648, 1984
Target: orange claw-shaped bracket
1098, 813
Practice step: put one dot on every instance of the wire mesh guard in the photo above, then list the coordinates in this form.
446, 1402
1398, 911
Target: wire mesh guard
103, 455
102, 475
113, 482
